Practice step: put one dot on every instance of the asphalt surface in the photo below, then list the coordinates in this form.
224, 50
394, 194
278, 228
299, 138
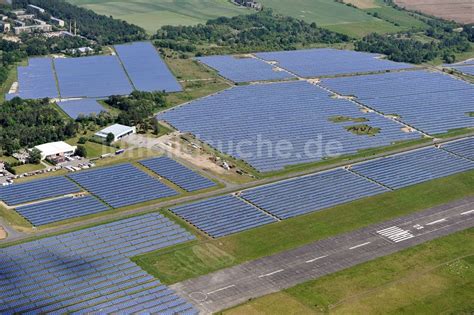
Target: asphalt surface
232, 286
228, 189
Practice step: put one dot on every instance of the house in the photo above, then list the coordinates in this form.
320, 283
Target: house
57, 22
32, 28
119, 132
56, 151
5, 27
35, 9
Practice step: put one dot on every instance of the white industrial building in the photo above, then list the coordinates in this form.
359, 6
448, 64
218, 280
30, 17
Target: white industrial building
57, 21
56, 151
119, 131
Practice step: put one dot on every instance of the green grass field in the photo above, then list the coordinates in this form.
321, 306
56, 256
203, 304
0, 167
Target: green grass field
201, 257
433, 278
152, 14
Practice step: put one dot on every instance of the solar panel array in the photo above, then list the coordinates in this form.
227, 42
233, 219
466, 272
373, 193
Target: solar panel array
178, 174
223, 215
242, 70
432, 102
412, 168
464, 148
36, 80
89, 271
95, 76
328, 62
297, 112
81, 107
306, 194
61, 209
465, 69
146, 69
36, 190
122, 185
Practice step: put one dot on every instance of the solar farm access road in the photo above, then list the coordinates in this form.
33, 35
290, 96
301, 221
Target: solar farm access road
232, 286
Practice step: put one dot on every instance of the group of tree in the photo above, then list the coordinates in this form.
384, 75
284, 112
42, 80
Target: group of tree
138, 108
26, 123
105, 30
262, 31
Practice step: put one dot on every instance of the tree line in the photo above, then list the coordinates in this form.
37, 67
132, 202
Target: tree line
262, 31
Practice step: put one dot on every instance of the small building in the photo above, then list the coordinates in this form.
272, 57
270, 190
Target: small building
25, 17
3, 17
119, 132
35, 9
32, 28
19, 12
57, 22
5, 27
56, 151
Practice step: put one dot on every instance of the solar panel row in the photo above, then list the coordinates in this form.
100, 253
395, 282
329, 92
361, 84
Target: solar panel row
36, 80
302, 195
328, 62
146, 69
253, 123
465, 69
223, 215
419, 98
241, 70
464, 148
412, 168
90, 271
81, 107
61, 209
178, 174
36, 190
122, 185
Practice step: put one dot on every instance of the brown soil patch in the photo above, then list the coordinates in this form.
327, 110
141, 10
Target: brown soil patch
3, 234
461, 11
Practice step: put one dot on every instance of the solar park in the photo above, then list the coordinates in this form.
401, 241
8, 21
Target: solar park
89, 271
295, 111
302, 195
463, 148
81, 107
465, 69
137, 65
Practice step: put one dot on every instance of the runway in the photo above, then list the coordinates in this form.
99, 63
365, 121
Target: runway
232, 286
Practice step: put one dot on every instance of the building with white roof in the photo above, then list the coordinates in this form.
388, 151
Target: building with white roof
119, 131
56, 151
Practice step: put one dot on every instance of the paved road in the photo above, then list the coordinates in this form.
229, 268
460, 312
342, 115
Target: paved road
230, 189
232, 286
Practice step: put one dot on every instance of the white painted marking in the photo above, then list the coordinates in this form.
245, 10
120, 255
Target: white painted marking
467, 212
317, 258
396, 234
360, 245
436, 222
222, 289
271, 273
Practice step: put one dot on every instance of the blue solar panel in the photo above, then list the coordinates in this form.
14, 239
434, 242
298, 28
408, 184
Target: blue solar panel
90, 271
253, 123
244, 69
464, 148
465, 69
433, 102
223, 215
96, 76
82, 107
329, 62
61, 209
306, 194
178, 174
36, 80
146, 69
122, 185
411, 168
36, 190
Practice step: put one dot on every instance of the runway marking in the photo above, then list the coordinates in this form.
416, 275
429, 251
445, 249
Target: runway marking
222, 289
360, 245
395, 234
317, 258
467, 212
271, 273
437, 221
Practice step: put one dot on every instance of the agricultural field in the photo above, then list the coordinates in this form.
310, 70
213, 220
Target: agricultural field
458, 10
429, 278
151, 15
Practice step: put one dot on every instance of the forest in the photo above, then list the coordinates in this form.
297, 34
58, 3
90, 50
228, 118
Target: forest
26, 123
262, 31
